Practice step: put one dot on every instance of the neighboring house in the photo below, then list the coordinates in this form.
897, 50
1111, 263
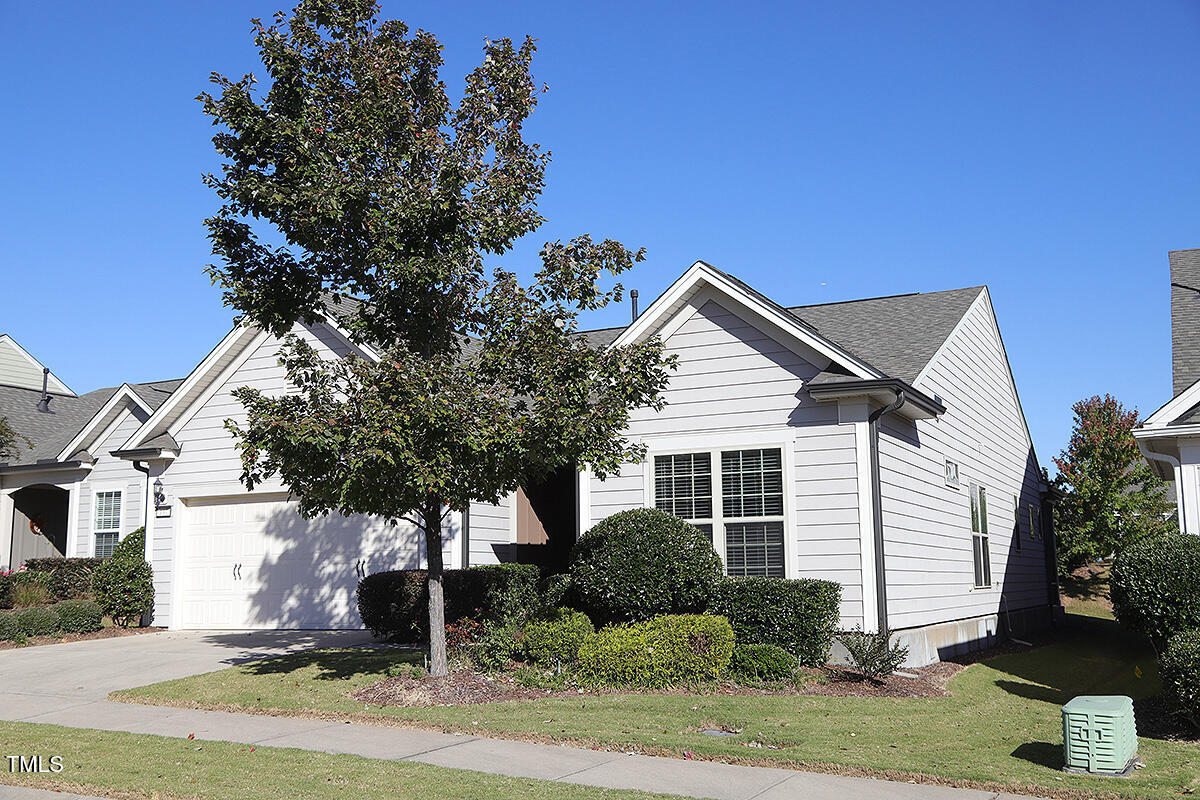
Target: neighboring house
768, 444
1170, 437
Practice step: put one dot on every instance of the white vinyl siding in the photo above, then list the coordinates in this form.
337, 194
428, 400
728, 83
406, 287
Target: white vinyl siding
110, 473
106, 523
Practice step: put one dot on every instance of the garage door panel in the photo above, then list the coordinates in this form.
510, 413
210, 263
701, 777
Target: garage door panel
293, 573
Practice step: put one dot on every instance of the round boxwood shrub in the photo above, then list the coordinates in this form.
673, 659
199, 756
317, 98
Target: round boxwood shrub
553, 637
124, 583
10, 631
37, 621
762, 662
1179, 669
640, 563
1156, 586
665, 651
80, 616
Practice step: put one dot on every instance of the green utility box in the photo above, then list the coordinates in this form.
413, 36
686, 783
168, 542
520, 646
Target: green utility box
1099, 735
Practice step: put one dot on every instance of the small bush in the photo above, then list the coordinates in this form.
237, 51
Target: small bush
10, 631
1179, 669
124, 583
556, 590
487, 646
6, 588
762, 662
30, 589
665, 651
70, 578
799, 616
80, 616
640, 563
37, 621
393, 604
873, 654
1155, 586
553, 637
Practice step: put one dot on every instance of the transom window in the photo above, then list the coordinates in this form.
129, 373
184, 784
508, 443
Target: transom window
106, 522
750, 515
979, 537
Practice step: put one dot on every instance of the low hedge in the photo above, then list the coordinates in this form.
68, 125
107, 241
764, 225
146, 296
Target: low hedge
640, 563
800, 616
10, 631
762, 662
38, 621
553, 637
1179, 669
395, 604
79, 616
6, 588
1155, 586
70, 578
665, 651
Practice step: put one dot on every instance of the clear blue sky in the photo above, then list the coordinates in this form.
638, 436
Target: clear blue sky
820, 151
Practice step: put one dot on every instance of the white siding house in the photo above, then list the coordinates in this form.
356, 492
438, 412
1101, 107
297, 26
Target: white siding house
807, 442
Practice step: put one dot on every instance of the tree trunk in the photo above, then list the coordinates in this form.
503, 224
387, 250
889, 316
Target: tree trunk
437, 599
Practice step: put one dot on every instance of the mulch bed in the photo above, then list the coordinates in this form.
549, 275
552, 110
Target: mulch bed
111, 632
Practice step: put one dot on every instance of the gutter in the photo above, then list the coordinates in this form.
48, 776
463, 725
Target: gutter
1174, 462
48, 466
144, 468
833, 390
877, 506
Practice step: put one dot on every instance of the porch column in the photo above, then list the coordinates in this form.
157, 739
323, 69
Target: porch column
73, 493
6, 527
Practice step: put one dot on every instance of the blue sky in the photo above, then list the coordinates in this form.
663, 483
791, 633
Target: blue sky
820, 151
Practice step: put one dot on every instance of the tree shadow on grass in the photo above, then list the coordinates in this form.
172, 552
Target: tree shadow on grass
332, 665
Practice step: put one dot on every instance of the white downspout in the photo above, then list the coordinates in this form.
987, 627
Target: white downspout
1179, 489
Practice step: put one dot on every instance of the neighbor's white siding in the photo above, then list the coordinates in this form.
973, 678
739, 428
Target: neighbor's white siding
209, 464
112, 473
489, 532
733, 379
17, 370
930, 567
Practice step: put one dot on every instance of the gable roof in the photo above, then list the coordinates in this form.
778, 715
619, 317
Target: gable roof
68, 416
18, 368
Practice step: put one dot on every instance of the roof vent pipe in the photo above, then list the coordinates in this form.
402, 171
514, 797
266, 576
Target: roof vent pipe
633, 297
44, 404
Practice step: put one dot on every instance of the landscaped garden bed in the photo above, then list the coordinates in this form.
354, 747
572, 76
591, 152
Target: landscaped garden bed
109, 631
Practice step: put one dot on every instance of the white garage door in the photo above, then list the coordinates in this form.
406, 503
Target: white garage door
256, 563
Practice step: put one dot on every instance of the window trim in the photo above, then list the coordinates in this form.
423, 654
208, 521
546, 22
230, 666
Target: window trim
957, 482
980, 539
1017, 522
714, 445
120, 529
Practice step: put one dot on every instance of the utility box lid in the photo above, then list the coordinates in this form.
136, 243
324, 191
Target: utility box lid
1099, 734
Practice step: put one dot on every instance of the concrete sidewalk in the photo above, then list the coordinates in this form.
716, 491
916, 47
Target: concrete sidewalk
29, 697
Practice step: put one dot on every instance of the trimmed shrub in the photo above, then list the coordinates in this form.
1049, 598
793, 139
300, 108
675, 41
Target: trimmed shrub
10, 631
800, 616
70, 578
395, 604
762, 662
553, 637
80, 616
665, 651
124, 583
1155, 586
37, 621
1179, 669
6, 588
556, 590
873, 654
641, 563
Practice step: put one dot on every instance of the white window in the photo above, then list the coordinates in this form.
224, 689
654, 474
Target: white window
951, 474
106, 522
1016, 522
749, 518
1035, 521
979, 537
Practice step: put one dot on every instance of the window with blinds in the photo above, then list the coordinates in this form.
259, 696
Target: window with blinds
749, 514
979, 537
106, 523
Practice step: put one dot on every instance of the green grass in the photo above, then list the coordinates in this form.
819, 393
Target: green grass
134, 765
1000, 727
1086, 592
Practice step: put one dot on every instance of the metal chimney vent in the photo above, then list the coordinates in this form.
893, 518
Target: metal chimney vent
44, 404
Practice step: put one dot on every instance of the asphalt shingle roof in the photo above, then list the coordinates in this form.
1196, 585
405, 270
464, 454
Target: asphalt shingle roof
1185, 318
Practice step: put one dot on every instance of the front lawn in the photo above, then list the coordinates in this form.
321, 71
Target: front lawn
134, 765
1000, 727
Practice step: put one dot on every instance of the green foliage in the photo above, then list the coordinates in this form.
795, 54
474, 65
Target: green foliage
6, 589
1155, 586
395, 604
1111, 497
70, 578
664, 651
488, 646
762, 662
799, 616
553, 637
1179, 670
873, 654
10, 441
80, 616
37, 621
10, 630
124, 583
640, 563
30, 589
556, 590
